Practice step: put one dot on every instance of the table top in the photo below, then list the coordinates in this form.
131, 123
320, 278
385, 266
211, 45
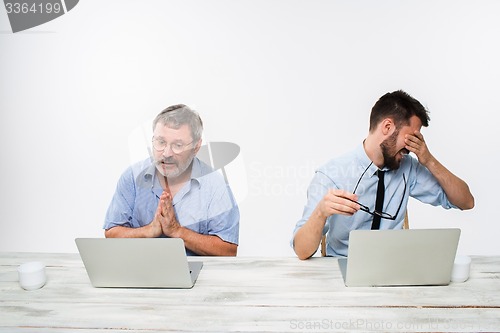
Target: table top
246, 294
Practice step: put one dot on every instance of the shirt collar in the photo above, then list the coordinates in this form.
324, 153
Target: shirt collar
196, 171
366, 163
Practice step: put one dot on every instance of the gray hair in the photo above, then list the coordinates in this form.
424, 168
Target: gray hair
177, 115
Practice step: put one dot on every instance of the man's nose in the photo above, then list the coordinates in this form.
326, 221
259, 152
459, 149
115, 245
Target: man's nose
167, 152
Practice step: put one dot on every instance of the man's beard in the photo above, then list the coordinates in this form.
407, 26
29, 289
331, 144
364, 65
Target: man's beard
176, 172
387, 146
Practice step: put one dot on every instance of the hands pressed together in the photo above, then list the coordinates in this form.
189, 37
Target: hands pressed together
164, 221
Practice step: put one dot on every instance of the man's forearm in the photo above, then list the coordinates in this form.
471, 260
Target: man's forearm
308, 237
126, 232
206, 245
456, 189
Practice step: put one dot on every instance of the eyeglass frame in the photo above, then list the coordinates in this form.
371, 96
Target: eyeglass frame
366, 209
183, 149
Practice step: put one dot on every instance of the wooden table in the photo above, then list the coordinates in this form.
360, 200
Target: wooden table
246, 295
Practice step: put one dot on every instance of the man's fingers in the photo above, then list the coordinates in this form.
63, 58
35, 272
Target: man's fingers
342, 202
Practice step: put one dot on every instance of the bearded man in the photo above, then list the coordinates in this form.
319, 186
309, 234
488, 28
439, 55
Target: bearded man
369, 187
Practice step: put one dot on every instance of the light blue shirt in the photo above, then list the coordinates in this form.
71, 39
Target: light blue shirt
345, 171
204, 204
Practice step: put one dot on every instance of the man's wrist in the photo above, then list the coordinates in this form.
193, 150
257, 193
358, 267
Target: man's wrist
319, 215
178, 232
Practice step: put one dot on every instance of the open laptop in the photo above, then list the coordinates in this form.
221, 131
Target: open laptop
414, 257
137, 262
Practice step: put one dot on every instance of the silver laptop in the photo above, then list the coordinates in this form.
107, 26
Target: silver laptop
137, 262
412, 257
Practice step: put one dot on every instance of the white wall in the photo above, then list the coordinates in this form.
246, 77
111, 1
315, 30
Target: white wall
291, 82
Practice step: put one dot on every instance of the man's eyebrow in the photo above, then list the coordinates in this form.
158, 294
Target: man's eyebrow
173, 141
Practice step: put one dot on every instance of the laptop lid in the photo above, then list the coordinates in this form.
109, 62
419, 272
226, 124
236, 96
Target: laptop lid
137, 262
401, 257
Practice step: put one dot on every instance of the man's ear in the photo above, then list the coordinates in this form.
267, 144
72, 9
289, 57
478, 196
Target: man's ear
197, 147
387, 126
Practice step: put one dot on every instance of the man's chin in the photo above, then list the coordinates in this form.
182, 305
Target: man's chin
393, 164
168, 172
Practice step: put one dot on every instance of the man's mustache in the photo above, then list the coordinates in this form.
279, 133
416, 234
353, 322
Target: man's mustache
166, 160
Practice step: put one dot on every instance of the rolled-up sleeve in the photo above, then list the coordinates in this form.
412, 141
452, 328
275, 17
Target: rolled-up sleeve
120, 209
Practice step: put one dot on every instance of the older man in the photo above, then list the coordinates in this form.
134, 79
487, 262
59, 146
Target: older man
174, 194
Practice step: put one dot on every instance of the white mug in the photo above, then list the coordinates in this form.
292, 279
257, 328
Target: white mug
32, 275
461, 269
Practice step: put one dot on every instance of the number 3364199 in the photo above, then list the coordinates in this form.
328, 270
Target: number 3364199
25, 8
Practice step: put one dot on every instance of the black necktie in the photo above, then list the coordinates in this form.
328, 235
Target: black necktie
379, 201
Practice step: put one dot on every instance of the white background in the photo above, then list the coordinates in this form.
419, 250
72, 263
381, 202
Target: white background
291, 82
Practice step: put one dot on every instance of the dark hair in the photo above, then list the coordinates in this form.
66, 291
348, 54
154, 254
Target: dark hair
400, 107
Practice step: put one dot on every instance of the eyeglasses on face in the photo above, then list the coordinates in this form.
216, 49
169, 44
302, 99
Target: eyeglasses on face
177, 147
383, 215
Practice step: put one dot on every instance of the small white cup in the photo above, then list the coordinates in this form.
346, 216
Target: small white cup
32, 275
461, 269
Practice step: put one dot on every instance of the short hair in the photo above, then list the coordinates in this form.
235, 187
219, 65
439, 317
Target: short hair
177, 115
399, 106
